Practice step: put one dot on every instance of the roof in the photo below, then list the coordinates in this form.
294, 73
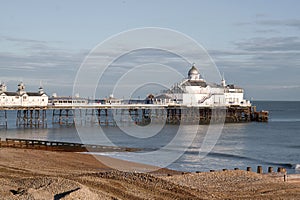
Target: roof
68, 98
34, 94
163, 96
28, 93
231, 86
200, 83
10, 93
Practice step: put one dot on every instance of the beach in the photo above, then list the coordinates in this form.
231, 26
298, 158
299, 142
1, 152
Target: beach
40, 174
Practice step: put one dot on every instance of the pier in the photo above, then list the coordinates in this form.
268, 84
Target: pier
122, 114
191, 101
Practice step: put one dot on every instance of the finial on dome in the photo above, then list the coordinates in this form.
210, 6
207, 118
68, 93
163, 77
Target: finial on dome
223, 82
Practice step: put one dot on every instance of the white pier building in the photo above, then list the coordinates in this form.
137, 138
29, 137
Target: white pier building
21, 98
195, 91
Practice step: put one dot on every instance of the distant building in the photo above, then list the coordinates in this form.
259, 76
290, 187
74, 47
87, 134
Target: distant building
111, 100
67, 101
195, 91
21, 98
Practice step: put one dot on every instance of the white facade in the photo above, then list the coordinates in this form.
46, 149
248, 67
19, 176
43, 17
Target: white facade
235, 96
67, 101
21, 98
194, 91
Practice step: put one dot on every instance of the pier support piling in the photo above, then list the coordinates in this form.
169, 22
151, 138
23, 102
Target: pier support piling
32, 118
63, 116
3, 119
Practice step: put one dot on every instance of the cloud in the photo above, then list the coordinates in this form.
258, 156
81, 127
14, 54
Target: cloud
263, 66
270, 44
267, 31
261, 54
33, 61
243, 23
295, 23
22, 40
262, 21
270, 26
274, 87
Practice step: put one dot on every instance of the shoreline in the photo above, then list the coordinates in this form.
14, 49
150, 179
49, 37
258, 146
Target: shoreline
91, 149
40, 174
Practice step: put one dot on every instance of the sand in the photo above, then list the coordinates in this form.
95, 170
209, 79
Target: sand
39, 174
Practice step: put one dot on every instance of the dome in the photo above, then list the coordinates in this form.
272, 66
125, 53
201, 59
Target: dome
193, 71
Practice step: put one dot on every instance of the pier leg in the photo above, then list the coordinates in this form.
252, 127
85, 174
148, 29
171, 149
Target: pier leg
31, 118
3, 119
22, 118
99, 116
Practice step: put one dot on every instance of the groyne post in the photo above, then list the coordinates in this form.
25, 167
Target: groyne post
259, 170
270, 170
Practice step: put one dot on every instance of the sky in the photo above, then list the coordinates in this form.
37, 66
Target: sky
254, 43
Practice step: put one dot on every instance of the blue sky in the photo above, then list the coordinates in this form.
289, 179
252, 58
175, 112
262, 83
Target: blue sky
255, 43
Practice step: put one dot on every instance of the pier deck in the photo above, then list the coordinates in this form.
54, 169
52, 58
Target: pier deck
143, 114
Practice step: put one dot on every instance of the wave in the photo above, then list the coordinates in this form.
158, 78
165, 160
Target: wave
284, 120
296, 166
239, 157
127, 155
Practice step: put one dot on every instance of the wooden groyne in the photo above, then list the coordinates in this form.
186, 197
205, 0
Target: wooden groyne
60, 146
280, 174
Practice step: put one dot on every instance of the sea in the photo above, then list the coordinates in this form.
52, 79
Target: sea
275, 143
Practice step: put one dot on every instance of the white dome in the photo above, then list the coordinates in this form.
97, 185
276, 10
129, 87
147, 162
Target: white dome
194, 73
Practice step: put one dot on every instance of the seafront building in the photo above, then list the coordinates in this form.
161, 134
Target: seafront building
22, 98
58, 101
195, 91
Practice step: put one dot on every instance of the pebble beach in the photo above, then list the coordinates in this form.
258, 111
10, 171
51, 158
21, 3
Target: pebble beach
40, 174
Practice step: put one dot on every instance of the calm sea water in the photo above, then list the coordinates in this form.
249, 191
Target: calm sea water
276, 143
